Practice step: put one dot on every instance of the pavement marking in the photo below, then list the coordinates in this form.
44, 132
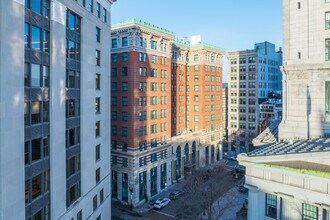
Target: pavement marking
163, 213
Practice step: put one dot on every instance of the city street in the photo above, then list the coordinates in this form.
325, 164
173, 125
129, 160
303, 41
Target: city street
175, 210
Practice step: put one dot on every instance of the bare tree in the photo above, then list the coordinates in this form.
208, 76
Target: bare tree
202, 191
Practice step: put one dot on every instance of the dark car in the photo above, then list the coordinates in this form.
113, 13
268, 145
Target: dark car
243, 189
174, 195
152, 202
238, 169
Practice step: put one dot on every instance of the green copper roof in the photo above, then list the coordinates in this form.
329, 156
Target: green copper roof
182, 43
144, 24
209, 46
187, 44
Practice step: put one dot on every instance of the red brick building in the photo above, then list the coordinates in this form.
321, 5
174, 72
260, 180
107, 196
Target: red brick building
165, 109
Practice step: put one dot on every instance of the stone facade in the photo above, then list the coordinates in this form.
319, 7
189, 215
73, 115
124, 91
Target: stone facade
305, 70
38, 51
173, 123
280, 186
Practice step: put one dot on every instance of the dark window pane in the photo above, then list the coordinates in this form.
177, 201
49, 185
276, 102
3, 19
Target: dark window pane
36, 186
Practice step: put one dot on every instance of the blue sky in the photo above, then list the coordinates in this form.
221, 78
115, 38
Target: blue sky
231, 24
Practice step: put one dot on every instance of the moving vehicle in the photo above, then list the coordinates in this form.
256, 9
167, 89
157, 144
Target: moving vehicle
161, 203
174, 195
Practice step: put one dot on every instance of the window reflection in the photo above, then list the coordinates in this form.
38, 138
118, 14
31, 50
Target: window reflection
35, 37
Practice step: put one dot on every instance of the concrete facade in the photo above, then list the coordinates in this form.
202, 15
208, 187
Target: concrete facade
164, 122
37, 36
286, 185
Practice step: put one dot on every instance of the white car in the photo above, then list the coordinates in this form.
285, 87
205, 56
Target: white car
160, 203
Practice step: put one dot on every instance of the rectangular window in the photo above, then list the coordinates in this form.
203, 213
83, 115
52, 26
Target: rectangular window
97, 81
98, 10
97, 105
97, 129
98, 57
114, 43
113, 116
35, 38
327, 49
124, 86
125, 57
125, 162
124, 101
114, 57
124, 132
98, 152
35, 113
98, 175
101, 195
327, 20
153, 44
90, 6
153, 59
124, 116
309, 212
113, 72
271, 206
94, 203
114, 101
98, 34
124, 71
104, 15
114, 86
35, 75
327, 98
124, 42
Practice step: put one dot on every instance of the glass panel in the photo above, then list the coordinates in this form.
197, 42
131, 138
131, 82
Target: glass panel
36, 186
36, 6
35, 75
35, 38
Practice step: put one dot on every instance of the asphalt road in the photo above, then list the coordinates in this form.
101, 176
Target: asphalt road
171, 211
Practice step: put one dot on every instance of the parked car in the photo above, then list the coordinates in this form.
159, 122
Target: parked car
161, 203
152, 202
243, 189
174, 195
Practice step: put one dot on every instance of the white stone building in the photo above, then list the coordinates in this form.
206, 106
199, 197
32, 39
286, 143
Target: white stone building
306, 76
289, 180
54, 109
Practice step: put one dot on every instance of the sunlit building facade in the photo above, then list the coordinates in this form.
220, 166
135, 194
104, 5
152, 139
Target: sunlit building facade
166, 109
54, 109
